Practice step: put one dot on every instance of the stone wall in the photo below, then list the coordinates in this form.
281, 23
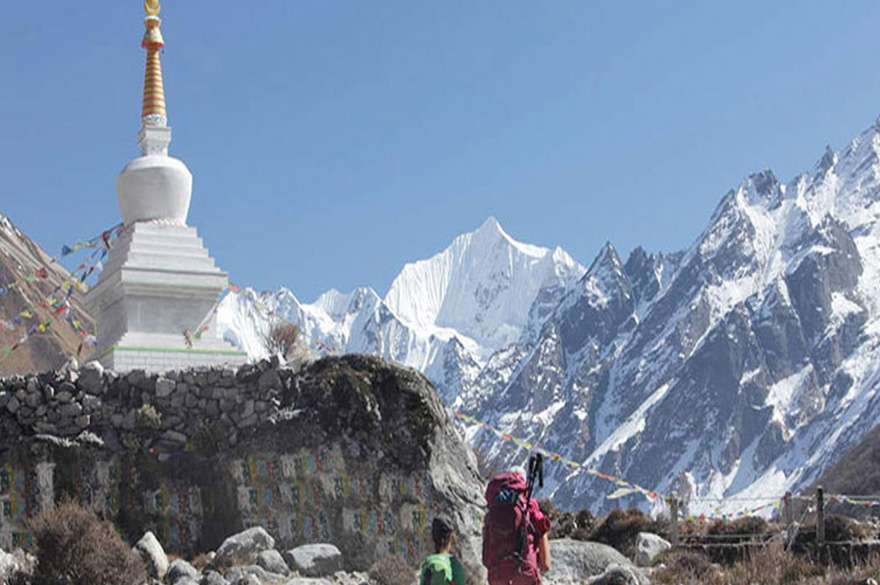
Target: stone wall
348, 450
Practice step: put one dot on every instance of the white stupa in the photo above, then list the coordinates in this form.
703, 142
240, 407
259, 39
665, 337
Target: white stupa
153, 303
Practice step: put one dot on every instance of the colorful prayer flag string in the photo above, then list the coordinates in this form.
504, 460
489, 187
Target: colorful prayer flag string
59, 306
625, 488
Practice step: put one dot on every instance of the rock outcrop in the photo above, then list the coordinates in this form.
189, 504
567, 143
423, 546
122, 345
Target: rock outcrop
349, 451
648, 547
575, 561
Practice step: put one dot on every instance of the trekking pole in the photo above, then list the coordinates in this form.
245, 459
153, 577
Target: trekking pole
536, 470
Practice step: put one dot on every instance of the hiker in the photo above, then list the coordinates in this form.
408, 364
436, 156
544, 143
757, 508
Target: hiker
442, 568
516, 546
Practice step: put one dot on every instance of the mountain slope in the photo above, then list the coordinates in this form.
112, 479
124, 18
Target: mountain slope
740, 367
20, 257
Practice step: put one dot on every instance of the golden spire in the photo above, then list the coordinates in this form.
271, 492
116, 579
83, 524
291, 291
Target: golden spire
154, 113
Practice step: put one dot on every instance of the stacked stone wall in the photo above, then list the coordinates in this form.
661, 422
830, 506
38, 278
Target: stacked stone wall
349, 451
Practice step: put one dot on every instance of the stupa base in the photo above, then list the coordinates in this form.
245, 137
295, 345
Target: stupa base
169, 354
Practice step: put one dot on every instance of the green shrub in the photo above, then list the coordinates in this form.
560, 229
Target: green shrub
148, 417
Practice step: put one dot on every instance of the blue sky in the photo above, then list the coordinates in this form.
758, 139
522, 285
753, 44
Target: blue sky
333, 141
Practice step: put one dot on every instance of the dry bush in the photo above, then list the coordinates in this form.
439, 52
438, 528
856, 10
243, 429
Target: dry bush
620, 528
393, 570
576, 525
684, 568
748, 525
281, 338
775, 566
843, 529
857, 575
735, 531
768, 566
586, 523
837, 529
73, 545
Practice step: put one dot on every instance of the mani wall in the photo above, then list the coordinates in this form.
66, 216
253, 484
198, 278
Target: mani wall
348, 450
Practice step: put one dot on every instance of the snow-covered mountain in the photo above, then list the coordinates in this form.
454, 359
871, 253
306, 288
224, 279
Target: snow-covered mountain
444, 316
484, 287
742, 366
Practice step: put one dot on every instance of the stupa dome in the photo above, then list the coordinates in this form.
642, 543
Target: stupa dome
155, 187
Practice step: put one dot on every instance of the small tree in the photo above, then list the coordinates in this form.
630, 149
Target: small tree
281, 338
76, 547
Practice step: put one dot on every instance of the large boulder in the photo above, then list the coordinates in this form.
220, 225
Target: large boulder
256, 573
244, 547
575, 561
153, 555
8, 566
315, 560
272, 561
648, 546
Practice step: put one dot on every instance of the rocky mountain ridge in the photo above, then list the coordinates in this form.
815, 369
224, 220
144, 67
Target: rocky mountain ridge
740, 367
737, 367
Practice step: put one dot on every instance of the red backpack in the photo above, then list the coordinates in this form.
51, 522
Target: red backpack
508, 539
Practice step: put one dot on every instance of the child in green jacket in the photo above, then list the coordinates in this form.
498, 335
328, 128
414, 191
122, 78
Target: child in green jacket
442, 568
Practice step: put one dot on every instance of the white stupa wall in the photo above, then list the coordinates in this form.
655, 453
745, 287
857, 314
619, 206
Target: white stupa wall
158, 282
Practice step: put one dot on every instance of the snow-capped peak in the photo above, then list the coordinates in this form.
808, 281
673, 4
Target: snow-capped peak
491, 232
608, 260
482, 286
337, 304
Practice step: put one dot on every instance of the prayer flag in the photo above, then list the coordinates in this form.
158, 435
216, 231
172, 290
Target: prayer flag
622, 493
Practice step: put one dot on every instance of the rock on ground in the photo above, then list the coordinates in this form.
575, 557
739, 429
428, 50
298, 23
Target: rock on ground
315, 560
213, 578
272, 561
153, 555
180, 569
648, 546
243, 547
617, 575
574, 561
307, 581
8, 566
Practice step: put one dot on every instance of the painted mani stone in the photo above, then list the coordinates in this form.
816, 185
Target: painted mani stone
318, 496
307, 496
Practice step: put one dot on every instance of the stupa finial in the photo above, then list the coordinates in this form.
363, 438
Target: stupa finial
154, 116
